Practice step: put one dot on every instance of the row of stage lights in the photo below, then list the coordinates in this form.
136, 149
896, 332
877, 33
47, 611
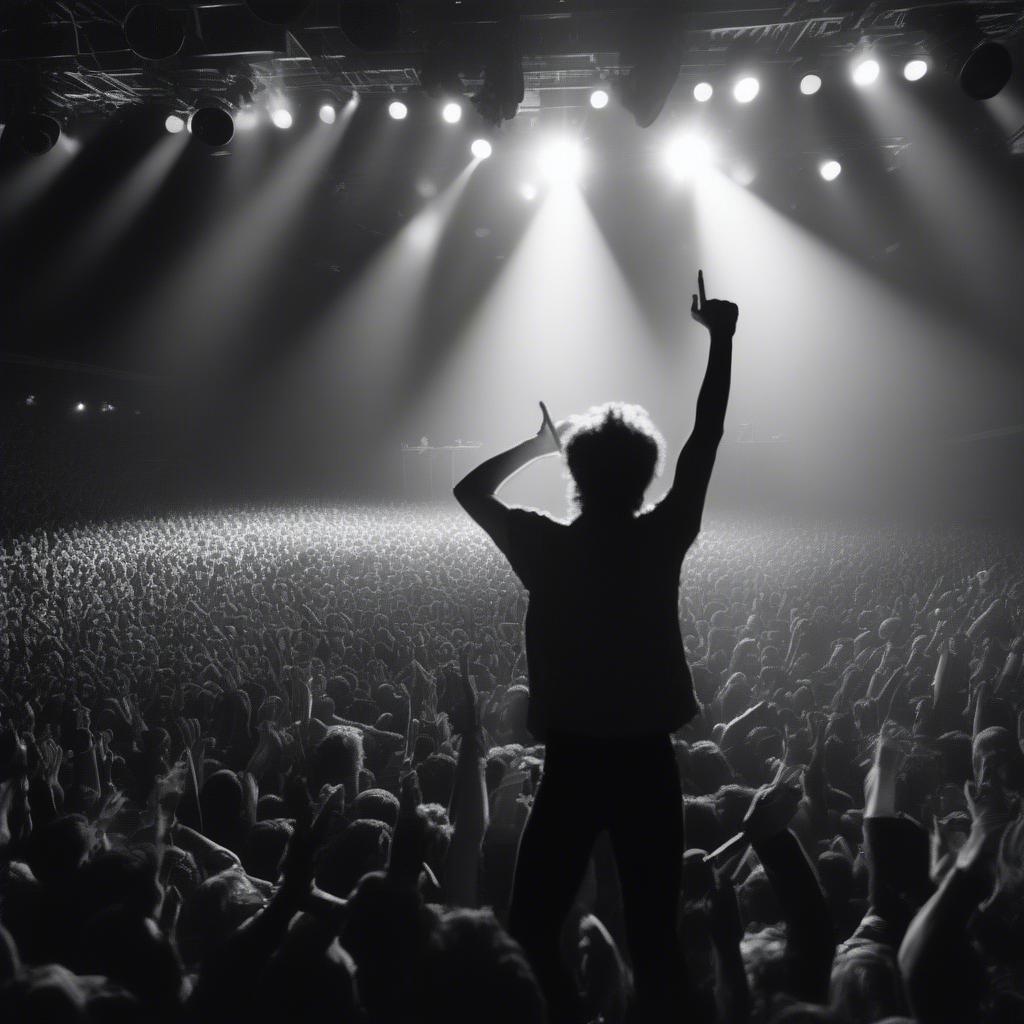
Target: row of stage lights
31, 401
746, 88
216, 126
560, 161
220, 125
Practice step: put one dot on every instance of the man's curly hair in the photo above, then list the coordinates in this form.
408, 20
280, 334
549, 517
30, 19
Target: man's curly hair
613, 452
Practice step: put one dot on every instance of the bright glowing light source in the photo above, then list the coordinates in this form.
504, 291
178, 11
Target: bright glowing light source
282, 118
481, 149
246, 120
746, 89
561, 160
866, 72
830, 170
30, 399
702, 92
328, 114
452, 112
599, 99
174, 124
687, 155
80, 407
915, 70
528, 191
810, 84
398, 110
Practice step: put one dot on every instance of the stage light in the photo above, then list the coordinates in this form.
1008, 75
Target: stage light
599, 99
36, 134
153, 32
328, 114
810, 84
561, 160
702, 92
915, 70
371, 25
986, 70
746, 89
281, 117
398, 110
452, 112
651, 45
212, 126
687, 155
830, 170
481, 149
866, 72
80, 407
174, 124
528, 191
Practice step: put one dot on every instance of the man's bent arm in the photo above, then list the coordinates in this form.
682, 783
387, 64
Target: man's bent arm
475, 492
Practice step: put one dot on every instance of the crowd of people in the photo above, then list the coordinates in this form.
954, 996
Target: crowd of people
275, 764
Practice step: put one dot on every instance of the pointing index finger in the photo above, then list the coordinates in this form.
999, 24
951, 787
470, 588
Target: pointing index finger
700, 288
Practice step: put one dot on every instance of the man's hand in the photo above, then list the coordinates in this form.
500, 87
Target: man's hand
550, 433
717, 315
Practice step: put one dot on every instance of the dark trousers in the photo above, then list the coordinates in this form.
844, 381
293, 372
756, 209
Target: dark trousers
629, 788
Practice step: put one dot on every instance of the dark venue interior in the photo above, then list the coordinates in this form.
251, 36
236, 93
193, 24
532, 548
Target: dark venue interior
340, 682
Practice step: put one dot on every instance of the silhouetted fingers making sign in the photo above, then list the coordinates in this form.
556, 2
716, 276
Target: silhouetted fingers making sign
717, 315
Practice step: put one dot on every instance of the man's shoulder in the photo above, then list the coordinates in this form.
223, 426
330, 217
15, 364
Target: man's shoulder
535, 518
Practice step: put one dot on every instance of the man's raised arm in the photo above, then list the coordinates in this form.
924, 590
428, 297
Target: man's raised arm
475, 492
696, 460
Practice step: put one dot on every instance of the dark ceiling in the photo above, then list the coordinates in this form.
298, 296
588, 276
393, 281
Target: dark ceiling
73, 59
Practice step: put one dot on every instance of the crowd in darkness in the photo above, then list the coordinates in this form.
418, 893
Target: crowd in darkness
274, 764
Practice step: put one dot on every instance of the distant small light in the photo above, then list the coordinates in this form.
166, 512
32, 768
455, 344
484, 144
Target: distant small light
174, 124
452, 112
599, 99
830, 170
866, 72
328, 114
481, 149
810, 84
702, 92
30, 399
746, 89
398, 110
528, 191
282, 118
80, 407
915, 70
107, 407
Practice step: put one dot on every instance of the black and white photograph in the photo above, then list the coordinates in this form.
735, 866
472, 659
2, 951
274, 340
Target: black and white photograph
511, 512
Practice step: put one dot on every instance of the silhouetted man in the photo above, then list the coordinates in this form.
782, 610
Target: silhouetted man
608, 676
